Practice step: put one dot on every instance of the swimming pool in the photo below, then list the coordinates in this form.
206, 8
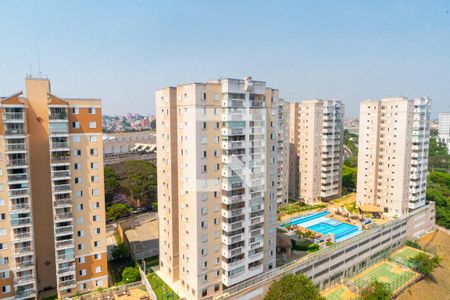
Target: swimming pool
319, 223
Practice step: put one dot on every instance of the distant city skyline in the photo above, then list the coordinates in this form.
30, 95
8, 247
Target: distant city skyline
350, 50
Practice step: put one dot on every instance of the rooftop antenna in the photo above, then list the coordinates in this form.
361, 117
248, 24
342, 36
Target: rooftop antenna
39, 65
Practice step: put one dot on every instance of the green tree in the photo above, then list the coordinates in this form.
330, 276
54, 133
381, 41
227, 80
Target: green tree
120, 251
425, 264
141, 179
376, 290
293, 287
130, 274
117, 210
112, 183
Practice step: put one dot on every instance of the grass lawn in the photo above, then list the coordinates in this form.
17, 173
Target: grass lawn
340, 292
151, 262
161, 289
298, 207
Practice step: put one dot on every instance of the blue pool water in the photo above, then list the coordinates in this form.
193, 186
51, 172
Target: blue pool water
319, 223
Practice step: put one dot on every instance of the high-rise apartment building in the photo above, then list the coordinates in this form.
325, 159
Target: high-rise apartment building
393, 154
217, 183
318, 132
294, 179
283, 152
51, 197
444, 129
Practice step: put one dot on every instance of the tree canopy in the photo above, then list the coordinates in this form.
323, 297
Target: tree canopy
130, 274
293, 287
425, 264
376, 290
117, 210
112, 183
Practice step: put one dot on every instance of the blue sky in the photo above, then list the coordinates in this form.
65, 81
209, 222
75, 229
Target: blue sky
122, 51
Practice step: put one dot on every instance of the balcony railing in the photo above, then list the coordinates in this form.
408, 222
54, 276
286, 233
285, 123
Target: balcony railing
24, 263
60, 159
63, 202
65, 243
65, 257
18, 177
58, 116
60, 174
13, 116
60, 216
21, 192
21, 222
64, 229
24, 235
20, 206
66, 283
61, 188
66, 270
55, 145
14, 131
17, 162
22, 250
15, 147
25, 293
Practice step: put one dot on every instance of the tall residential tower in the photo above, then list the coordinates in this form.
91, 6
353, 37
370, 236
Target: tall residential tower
52, 194
217, 183
316, 150
444, 129
393, 154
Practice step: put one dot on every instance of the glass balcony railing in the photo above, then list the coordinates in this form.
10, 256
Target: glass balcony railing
59, 159
13, 116
58, 116
61, 188
15, 147
17, 177
17, 162
14, 131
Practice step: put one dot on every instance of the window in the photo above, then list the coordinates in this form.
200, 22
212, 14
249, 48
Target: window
4, 274
80, 220
91, 110
95, 192
83, 286
93, 151
79, 194
96, 231
92, 124
76, 152
96, 205
94, 165
76, 138
3, 216
97, 243
83, 272
98, 282
80, 206
76, 125
204, 293
75, 111
80, 246
92, 138
97, 256
98, 269
6, 289
94, 178
81, 259
77, 166
96, 218
2, 232
78, 180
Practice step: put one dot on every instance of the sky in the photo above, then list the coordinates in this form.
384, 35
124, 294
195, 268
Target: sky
122, 51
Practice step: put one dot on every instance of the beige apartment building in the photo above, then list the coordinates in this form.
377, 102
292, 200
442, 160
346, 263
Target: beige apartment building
393, 154
316, 150
217, 183
283, 152
51, 194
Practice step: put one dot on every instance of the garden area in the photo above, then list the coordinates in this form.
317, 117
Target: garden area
298, 207
123, 268
161, 289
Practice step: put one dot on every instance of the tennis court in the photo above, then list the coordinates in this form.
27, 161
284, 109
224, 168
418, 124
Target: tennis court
385, 272
403, 256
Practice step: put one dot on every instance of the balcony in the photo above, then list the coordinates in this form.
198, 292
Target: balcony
17, 162
25, 294
20, 207
60, 159
21, 251
66, 270
19, 193
20, 222
24, 264
66, 257
61, 116
24, 279
233, 145
13, 117
15, 147
64, 202
59, 145
63, 216
64, 230
67, 284
64, 244
61, 188
17, 177
60, 174
15, 131
22, 236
